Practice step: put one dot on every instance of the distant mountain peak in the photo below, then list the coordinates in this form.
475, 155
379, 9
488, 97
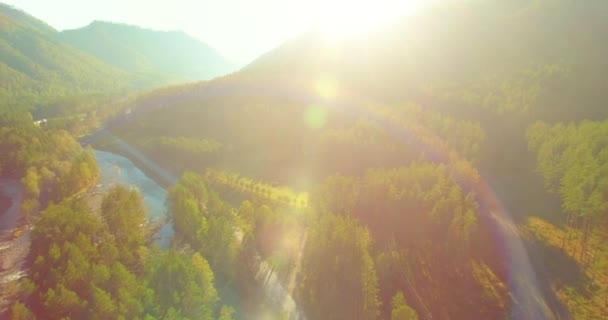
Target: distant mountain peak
128, 26
171, 55
24, 19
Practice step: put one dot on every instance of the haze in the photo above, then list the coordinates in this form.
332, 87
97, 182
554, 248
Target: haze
366, 159
240, 29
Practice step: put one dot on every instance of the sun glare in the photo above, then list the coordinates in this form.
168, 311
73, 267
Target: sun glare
345, 18
326, 87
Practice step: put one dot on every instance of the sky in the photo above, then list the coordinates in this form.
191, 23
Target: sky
240, 29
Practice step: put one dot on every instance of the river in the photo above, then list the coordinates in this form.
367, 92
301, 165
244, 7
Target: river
115, 169
13, 250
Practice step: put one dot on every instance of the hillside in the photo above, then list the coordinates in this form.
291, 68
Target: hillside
168, 56
502, 65
375, 127
456, 48
490, 72
46, 76
52, 73
25, 20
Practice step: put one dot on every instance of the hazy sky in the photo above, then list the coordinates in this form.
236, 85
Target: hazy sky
240, 29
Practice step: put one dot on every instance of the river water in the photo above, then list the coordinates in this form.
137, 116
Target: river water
118, 170
10, 189
12, 250
115, 169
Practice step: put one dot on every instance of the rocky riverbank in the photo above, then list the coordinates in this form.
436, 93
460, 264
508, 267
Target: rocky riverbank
14, 240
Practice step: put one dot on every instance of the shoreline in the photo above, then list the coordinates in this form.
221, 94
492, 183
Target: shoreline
157, 226
164, 182
11, 197
14, 242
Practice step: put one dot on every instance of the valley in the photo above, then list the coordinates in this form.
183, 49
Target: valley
452, 164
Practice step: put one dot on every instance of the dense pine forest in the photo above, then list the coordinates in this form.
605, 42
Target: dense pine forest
455, 173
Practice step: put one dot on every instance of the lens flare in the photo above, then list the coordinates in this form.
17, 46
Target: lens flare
528, 298
315, 117
326, 87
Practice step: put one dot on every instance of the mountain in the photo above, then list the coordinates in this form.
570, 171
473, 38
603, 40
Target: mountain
23, 19
458, 84
169, 55
464, 43
471, 60
39, 69
54, 73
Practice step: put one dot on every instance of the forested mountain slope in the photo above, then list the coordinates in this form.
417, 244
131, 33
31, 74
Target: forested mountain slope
501, 64
457, 86
169, 56
463, 49
40, 71
52, 73
24, 19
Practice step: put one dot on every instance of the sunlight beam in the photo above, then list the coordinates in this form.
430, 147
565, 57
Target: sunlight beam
347, 18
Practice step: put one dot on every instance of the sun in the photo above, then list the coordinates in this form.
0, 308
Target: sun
346, 18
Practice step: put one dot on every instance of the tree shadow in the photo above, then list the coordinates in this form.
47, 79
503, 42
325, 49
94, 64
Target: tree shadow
556, 270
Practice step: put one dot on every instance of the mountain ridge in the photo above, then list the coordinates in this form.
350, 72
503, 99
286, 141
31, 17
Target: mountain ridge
43, 71
50, 75
143, 51
25, 18
461, 81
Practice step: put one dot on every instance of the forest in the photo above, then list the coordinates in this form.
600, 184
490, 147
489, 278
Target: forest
51, 164
52, 74
98, 267
519, 120
374, 178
